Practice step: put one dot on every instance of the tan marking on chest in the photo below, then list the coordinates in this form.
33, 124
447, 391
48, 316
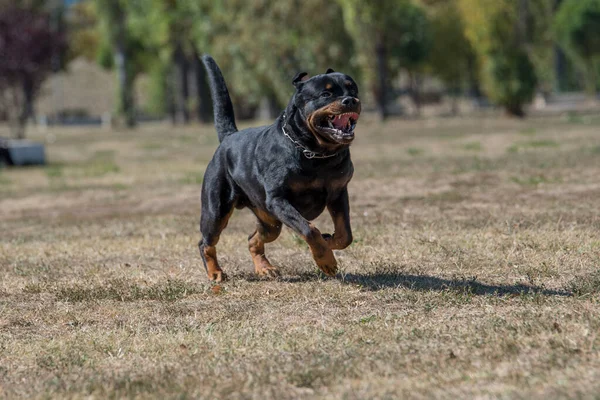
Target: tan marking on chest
300, 186
332, 184
337, 184
264, 216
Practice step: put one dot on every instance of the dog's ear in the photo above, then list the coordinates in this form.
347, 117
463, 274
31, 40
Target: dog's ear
299, 78
329, 70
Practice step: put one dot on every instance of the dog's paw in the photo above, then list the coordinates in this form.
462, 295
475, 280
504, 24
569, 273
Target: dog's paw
217, 276
266, 270
327, 263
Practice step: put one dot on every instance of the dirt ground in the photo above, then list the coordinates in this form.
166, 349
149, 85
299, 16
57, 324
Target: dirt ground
475, 271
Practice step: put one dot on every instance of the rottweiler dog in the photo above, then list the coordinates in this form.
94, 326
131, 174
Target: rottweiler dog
285, 173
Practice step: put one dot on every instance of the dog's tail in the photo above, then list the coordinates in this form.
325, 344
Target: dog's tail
223, 109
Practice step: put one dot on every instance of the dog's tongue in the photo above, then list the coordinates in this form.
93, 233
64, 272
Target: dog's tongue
340, 121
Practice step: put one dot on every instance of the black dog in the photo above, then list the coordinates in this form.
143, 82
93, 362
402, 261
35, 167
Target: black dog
286, 173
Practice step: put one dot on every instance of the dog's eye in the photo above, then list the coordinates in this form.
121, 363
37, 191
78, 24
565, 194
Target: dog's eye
326, 94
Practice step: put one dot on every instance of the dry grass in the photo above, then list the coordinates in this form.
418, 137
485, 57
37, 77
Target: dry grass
475, 271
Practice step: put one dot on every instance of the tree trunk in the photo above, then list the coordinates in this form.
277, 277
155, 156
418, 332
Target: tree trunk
381, 91
560, 61
515, 110
474, 89
415, 91
202, 91
182, 88
126, 109
26, 108
591, 84
560, 69
454, 109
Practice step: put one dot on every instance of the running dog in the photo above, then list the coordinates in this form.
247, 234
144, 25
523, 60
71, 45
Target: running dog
285, 173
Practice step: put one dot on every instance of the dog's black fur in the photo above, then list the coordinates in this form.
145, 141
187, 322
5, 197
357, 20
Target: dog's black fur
263, 169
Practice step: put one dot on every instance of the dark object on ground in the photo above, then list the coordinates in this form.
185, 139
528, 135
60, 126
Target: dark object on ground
286, 173
21, 152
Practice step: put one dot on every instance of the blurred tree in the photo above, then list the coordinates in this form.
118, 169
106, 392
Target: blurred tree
167, 27
388, 35
539, 42
30, 47
496, 28
262, 44
577, 25
84, 35
451, 56
116, 50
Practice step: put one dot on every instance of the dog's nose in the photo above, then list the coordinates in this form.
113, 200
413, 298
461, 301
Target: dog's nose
350, 101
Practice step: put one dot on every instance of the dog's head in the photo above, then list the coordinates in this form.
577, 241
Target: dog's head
330, 106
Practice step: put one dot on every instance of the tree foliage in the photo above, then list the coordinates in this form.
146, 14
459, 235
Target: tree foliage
30, 49
451, 51
497, 30
118, 49
262, 44
540, 41
506, 45
390, 35
84, 35
577, 25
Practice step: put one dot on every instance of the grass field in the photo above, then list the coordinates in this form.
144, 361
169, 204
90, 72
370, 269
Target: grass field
475, 271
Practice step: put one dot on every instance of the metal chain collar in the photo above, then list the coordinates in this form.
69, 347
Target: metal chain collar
307, 153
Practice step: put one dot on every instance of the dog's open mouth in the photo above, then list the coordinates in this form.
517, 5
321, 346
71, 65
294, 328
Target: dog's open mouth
340, 126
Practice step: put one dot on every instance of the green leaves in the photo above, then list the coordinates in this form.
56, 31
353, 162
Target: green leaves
497, 30
577, 26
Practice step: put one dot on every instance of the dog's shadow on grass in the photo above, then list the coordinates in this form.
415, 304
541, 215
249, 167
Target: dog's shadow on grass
424, 283
379, 281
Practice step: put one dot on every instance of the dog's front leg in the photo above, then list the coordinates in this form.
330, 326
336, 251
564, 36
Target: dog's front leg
286, 213
339, 209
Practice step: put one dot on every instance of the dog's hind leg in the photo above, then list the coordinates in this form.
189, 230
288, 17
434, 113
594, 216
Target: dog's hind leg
218, 202
267, 230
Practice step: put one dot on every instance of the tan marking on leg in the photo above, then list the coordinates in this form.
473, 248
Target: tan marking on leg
215, 273
322, 253
262, 266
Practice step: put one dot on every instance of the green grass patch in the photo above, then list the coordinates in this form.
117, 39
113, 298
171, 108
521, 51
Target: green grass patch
541, 143
472, 146
54, 171
151, 146
595, 150
533, 180
528, 131
414, 151
367, 320
532, 144
451, 196
574, 118
98, 169
193, 178
469, 164
4, 180
102, 163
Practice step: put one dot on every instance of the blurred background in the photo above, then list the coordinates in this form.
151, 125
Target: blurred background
122, 62
474, 202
